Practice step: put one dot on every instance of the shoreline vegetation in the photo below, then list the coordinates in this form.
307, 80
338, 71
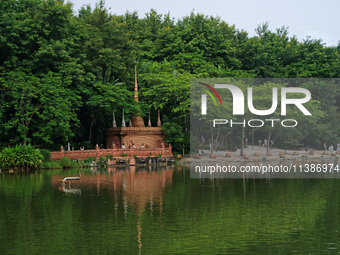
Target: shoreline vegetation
27, 158
71, 70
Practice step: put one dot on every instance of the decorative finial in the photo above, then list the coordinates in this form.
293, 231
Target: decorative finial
149, 122
136, 86
159, 119
123, 121
114, 120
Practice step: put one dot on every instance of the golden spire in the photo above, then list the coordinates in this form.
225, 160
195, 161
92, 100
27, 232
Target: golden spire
149, 122
136, 86
123, 120
114, 121
136, 120
159, 119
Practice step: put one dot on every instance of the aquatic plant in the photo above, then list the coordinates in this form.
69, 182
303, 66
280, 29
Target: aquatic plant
20, 157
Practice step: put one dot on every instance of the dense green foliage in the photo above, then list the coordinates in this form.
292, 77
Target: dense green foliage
63, 74
46, 154
21, 157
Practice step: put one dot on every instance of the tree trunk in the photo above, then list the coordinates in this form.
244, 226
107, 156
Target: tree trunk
218, 134
90, 132
212, 139
252, 140
242, 147
270, 133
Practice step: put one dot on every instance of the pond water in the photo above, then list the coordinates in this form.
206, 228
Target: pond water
163, 211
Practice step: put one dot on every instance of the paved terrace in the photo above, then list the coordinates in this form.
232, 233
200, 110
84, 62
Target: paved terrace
260, 153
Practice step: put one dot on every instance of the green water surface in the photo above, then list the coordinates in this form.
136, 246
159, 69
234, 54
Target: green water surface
164, 211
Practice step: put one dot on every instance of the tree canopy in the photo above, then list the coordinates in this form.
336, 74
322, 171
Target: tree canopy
62, 73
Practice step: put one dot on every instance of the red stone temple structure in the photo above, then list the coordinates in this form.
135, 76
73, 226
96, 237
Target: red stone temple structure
136, 133
138, 140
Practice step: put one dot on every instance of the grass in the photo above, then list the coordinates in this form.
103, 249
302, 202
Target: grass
69, 163
51, 164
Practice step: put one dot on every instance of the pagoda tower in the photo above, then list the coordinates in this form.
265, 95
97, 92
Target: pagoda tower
136, 120
136, 133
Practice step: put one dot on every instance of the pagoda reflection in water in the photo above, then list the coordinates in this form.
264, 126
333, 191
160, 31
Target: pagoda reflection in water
140, 188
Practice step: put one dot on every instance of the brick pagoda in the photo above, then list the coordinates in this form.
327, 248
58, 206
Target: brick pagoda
136, 133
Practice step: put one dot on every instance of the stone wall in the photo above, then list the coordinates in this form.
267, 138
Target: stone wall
152, 136
116, 153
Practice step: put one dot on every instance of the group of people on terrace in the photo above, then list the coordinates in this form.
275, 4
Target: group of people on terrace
134, 146
123, 146
331, 148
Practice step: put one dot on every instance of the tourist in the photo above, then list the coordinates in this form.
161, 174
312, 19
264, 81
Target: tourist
123, 146
338, 147
325, 146
81, 148
330, 148
259, 143
101, 146
73, 148
142, 146
134, 146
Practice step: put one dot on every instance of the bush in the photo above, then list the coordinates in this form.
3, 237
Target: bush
68, 163
21, 156
109, 156
46, 154
89, 160
51, 165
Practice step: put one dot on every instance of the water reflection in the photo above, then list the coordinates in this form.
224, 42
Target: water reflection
139, 188
68, 189
164, 211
